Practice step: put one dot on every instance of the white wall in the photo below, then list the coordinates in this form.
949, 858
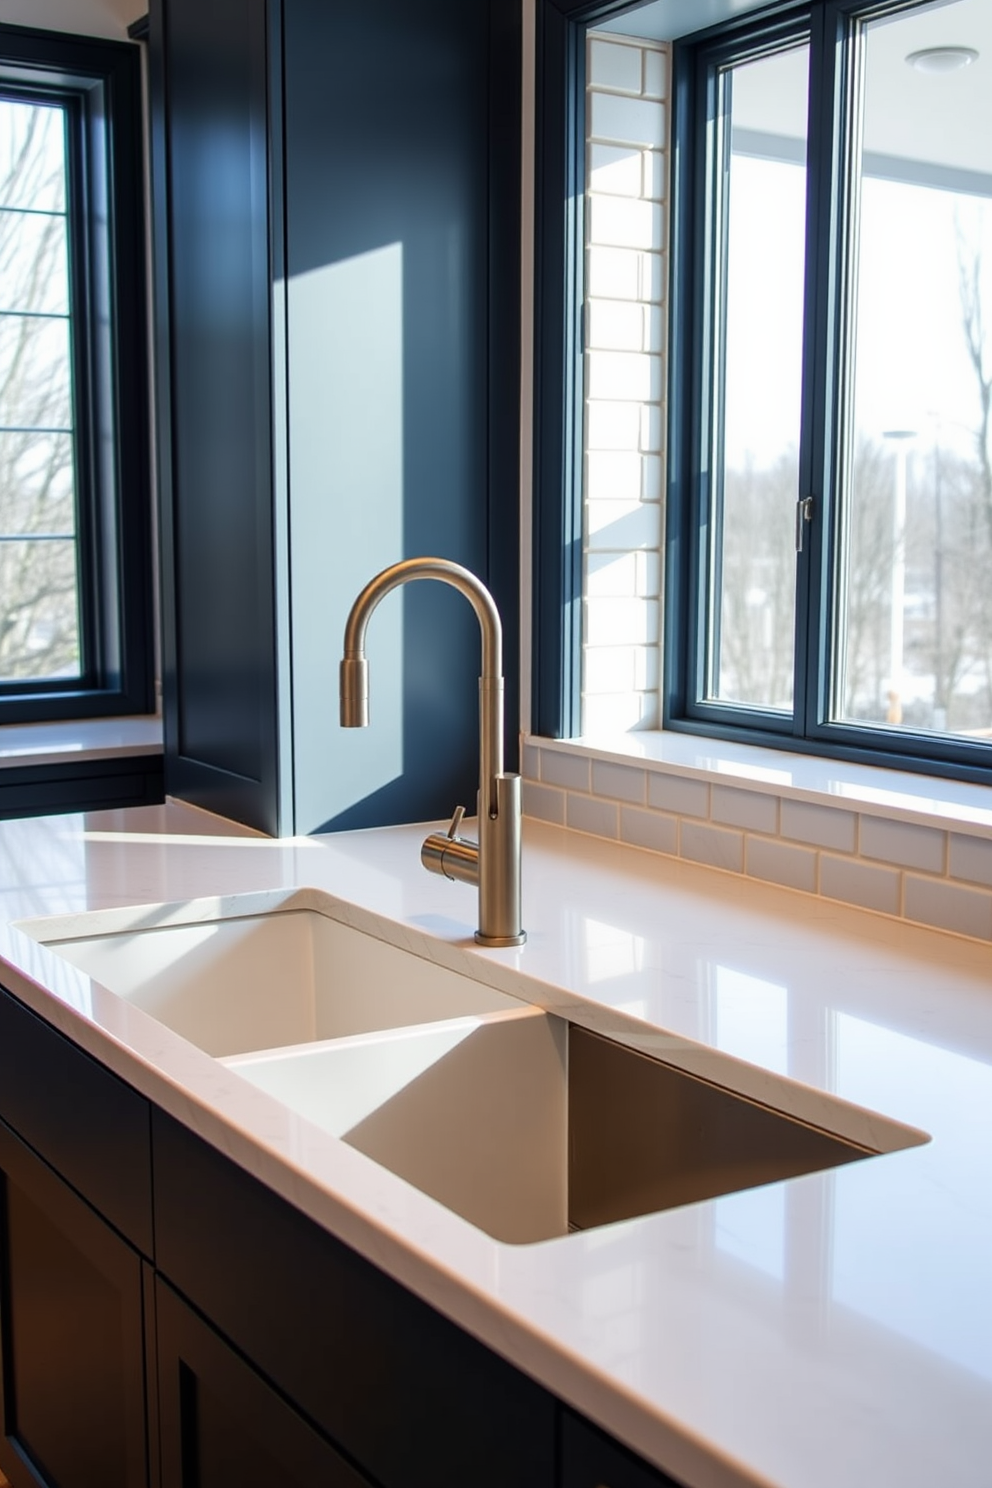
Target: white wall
109, 18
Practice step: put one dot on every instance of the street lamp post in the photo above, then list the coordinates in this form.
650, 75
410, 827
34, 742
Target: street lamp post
900, 439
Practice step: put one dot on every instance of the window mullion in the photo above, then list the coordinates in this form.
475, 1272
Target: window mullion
835, 73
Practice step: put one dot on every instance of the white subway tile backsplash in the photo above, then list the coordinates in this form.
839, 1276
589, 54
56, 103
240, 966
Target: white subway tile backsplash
655, 73
571, 771
654, 175
970, 858
619, 668
623, 222
613, 426
620, 712
626, 225
614, 475
651, 427
777, 862
677, 794
744, 808
615, 65
717, 847
634, 121
616, 325
587, 814
609, 668
651, 479
621, 782
859, 883
621, 622
619, 170
530, 762
620, 526
544, 802
903, 843
651, 274
949, 906
614, 575
613, 273
821, 826
651, 829
624, 376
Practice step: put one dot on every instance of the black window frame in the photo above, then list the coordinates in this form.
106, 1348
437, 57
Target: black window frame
100, 83
830, 26
557, 523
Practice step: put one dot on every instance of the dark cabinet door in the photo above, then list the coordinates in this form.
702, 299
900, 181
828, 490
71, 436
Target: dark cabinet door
221, 1424
72, 1394
591, 1460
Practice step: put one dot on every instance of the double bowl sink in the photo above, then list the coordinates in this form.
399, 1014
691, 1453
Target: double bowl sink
526, 1125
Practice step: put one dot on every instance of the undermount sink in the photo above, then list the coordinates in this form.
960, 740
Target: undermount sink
522, 1123
264, 981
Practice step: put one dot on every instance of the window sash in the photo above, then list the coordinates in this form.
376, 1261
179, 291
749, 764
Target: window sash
833, 28
98, 84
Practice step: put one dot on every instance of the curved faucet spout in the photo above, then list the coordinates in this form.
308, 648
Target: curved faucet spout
497, 856
447, 572
354, 666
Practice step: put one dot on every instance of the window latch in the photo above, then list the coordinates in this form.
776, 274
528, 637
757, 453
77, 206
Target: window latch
804, 514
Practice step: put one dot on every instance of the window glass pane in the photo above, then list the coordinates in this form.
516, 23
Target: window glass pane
34, 263
758, 205
35, 372
39, 630
39, 601
32, 156
36, 481
913, 617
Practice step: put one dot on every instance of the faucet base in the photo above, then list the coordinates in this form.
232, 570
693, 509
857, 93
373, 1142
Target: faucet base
500, 940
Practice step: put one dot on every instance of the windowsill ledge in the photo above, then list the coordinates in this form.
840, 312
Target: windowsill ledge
870, 790
76, 741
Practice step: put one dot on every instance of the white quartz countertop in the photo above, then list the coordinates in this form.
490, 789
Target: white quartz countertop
831, 1330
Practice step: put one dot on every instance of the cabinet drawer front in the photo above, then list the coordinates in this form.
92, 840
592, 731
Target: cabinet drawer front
408, 1396
222, 1424
79, 1117
72, 1407
591, 1460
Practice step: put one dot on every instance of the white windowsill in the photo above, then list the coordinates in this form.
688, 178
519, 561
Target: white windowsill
929, 800
61, 743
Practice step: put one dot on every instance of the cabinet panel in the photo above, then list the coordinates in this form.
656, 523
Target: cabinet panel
591, 1460
72, 1406
217, 554
222, 1424
411, 1398
47, 1086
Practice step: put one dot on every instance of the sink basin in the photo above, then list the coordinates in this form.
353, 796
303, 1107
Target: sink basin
269, 980
525, 1125
531, 1127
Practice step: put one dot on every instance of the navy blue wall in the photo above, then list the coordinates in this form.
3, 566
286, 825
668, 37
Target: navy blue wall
306, 150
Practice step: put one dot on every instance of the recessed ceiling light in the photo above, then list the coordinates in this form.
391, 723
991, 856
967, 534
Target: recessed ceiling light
942, 59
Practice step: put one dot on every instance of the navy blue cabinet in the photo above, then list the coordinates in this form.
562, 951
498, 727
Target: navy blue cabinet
166, 1321
336, 205
221, 1424
72, 1401
591, 1460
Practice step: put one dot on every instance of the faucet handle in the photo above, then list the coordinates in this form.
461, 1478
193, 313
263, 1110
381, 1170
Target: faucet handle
456, 822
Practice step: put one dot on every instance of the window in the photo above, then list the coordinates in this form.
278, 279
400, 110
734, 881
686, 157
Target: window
822, 321
830, 535
75, 621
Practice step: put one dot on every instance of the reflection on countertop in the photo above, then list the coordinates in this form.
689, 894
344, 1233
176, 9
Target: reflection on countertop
833, 1329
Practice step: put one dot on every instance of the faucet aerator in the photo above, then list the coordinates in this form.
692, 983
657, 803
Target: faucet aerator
354, 692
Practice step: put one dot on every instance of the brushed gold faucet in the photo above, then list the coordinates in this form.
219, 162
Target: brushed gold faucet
492, 863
